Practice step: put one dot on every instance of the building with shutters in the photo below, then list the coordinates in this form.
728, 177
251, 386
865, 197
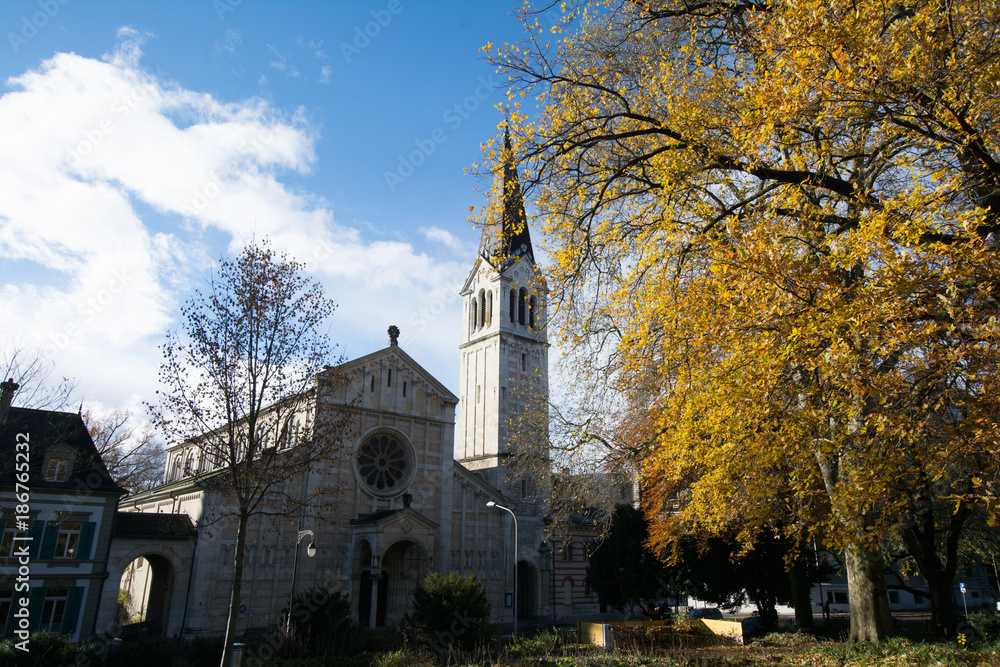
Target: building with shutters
63, 531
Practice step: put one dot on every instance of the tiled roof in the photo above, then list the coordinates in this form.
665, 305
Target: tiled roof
45, 429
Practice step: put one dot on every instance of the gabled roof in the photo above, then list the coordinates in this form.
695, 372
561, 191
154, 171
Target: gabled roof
387, 516
477, 481
45, 430
505, 234
396, 350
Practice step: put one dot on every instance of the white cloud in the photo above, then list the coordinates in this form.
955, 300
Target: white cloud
325, 74
109, 178
229, 42
444, 237
280, 63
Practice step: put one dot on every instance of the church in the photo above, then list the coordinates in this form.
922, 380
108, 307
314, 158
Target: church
425, 484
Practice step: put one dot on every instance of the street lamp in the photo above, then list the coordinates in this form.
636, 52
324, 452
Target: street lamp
507, 509
310, 551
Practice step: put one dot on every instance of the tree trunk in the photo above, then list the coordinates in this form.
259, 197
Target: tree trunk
922, 536
801, 595
767, 611
942, 607
234, 598
867, 595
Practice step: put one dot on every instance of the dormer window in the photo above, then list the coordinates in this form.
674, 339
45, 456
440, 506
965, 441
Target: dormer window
57, 470
58, 464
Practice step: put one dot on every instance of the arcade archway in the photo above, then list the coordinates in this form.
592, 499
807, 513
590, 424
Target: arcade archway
144, 595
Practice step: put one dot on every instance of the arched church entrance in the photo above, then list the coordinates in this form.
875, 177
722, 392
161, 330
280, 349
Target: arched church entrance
385, 593
144, 600
527, 588
403, 567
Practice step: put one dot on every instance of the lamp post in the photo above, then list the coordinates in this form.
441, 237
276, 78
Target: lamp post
507, 509
310, 551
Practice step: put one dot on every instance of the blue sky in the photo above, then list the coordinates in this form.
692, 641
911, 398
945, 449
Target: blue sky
142, 140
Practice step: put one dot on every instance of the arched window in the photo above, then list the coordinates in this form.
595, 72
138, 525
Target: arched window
522, 298
177, 468
291, 434
489, 308
568, 552
189, 463
531, 312
567, 591
475, 315
482, 308
513, 305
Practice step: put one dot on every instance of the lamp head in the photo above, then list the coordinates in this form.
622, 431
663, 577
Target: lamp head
491, 504
311, 549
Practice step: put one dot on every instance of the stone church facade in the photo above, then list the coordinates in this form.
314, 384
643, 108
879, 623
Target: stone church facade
408, 493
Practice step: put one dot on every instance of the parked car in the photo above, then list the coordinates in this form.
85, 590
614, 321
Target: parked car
711, 613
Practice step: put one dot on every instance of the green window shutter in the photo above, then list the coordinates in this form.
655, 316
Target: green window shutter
86, 541
15, 605
49, 540
35, 603
72, 611
35, 533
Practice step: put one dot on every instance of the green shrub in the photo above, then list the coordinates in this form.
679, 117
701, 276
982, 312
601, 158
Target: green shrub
987, 627
322, 623
544, 643
451, 611
384, 640
48, 650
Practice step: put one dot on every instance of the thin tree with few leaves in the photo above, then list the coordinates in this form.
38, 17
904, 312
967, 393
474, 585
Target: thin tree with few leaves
241, 385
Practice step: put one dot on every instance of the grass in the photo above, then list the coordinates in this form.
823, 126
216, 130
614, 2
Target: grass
554, 649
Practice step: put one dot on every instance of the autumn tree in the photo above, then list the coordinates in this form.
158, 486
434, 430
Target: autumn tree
131, 453
240, 385
780, 219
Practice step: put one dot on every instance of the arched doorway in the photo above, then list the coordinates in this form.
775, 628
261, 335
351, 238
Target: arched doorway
526, 589
385, 593
403, 568
144, 597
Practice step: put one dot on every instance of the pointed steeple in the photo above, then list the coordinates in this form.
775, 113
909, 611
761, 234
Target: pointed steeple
505, 234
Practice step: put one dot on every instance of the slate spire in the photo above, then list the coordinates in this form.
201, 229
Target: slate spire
505, 234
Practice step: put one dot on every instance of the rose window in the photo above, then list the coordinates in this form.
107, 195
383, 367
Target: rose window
383, 464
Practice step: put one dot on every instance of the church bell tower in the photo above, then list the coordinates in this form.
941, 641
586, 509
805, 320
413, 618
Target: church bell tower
504, 350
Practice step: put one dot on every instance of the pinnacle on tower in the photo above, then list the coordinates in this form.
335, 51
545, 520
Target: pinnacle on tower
505, 233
